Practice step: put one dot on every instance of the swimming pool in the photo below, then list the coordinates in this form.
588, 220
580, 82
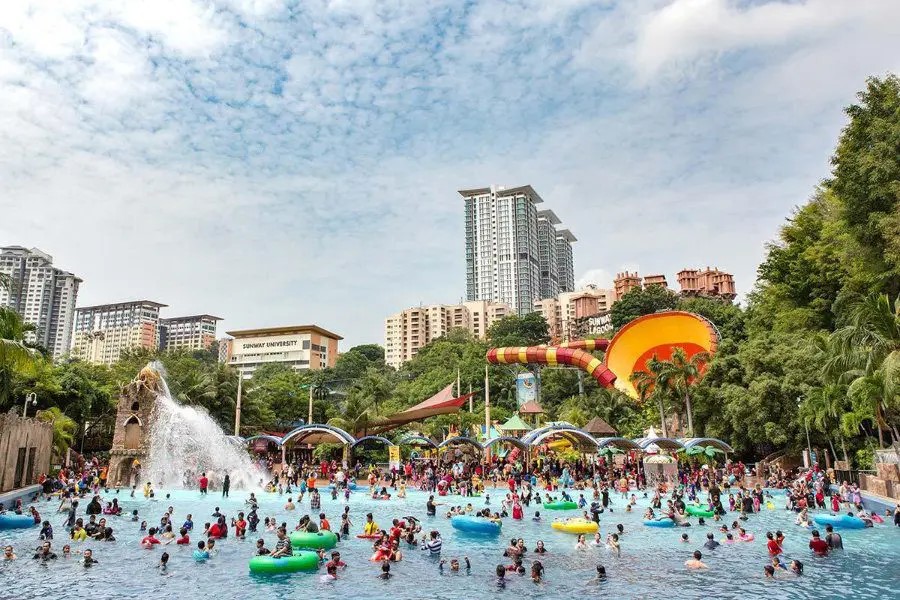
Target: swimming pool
651, 565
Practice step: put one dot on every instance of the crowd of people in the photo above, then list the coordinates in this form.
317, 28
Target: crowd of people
492, 490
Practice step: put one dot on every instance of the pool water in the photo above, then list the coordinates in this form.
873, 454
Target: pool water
651, 564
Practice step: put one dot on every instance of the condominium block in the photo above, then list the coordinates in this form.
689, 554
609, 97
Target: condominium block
547, 253
565, 260
710, 283
104, 331
408, 331
566, 312
42, 294
301, 347
197, 332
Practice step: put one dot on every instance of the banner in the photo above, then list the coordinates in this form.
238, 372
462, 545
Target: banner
526, 388
394, 457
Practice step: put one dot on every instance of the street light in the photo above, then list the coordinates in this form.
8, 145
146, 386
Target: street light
806, 427
32, 398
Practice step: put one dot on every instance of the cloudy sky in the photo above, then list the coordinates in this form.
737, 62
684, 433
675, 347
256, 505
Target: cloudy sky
281, 162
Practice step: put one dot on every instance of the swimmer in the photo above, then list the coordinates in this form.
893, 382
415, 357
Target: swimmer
580, 544
8, 553
684, 538
454, 565
769, 571
612, 542
601, 575
163, 565
385, 570
540, 549
331, 574
598, 541
537, 571
695, 562
797, 567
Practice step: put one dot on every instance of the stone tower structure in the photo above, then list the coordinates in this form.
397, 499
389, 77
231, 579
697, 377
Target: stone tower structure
134, 417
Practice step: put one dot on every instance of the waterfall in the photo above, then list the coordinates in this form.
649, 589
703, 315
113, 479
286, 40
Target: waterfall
185, 441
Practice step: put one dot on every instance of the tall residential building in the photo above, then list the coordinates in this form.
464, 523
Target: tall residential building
658, 279
502, 259
301, 347
197, 332
103, 332
565, 260
43, 294
625, 282
406, 332
564, 314
547, 253
711, 283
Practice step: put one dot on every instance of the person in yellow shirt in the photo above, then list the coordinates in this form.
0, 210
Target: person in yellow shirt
371, 527
78, 532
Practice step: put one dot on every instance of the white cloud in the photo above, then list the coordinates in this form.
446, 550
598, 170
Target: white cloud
276, 165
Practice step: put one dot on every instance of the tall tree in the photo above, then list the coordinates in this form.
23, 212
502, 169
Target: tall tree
15, 354
680, 374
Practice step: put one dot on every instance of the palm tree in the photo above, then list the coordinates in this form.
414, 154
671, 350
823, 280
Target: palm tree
645, 383
866, 356
15, 354
63, 429
679, 374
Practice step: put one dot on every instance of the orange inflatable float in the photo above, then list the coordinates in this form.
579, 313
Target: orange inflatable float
658, 334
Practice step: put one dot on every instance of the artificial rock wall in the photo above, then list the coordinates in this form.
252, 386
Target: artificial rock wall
26, 445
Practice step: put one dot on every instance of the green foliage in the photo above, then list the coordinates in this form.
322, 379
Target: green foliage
63, 429
513, 330
15, 355
642, 301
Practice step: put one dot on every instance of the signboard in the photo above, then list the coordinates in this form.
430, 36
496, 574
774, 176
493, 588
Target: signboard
599, 324
526, 388
394, 457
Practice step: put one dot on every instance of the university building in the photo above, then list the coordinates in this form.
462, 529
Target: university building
301, 347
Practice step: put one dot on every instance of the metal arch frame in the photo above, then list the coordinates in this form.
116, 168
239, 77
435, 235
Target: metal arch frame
367, 438
714, 442
567, 431
617, 442
517, 442
461, 439
271, 438
341, 435
407, 440
667, 443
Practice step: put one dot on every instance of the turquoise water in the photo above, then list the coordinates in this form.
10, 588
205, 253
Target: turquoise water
651, 564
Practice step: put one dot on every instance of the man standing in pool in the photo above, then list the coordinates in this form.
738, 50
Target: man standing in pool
204, 484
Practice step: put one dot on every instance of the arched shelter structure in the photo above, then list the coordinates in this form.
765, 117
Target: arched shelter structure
577, 437
701, 441
670, 444
263, 443
507, 439
416, 439
617, 442
317, 434
372, 438
460, 440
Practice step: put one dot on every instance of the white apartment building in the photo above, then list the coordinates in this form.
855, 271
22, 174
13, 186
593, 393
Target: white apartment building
565, 260
564, 312
406, 332
196, 332
104, 331
44, 295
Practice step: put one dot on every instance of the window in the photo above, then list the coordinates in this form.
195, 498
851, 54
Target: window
306, 344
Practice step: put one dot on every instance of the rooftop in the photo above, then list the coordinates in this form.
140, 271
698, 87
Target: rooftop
191, 318
244, 333
501, 191
126, 303
568, 235
549, 215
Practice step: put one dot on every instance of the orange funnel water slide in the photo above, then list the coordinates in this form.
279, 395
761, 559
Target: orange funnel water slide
658, 334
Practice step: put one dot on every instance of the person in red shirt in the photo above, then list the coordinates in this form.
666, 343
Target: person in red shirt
817, 544
204, 483
773, 545
150, 539
240, 526
335, 561
324, 525
215, 532
185, 539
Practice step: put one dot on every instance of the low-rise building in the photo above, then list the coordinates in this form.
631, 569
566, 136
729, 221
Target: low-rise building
568, 308
301, 347
197, 332
710, 283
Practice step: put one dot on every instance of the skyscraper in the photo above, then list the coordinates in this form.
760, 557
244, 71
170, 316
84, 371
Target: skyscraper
503, 257
547, 252
197, 332
43, 294
565, 260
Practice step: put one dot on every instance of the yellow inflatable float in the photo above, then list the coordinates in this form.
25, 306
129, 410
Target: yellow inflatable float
575, 526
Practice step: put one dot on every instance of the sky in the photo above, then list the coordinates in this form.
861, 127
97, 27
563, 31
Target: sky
284, 162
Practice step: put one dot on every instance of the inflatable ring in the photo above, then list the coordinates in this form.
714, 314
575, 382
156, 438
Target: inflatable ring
844, 521
560, 505
475, 525
313, 541
300, 561
664, 522
12, 521
575, 526
369, 536
698, 511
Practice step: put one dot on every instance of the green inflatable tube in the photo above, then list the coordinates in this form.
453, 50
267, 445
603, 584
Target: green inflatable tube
698, 511
314, 541
301, 561
561, 505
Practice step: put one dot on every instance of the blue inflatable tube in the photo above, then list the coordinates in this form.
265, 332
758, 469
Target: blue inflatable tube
475, 525
14, 521
660, 523
842, 521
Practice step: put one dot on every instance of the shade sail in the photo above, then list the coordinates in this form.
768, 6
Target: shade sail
531, 408
442, 403
515, 423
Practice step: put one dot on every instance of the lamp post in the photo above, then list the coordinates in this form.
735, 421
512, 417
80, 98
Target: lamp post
808, 444
29, 397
